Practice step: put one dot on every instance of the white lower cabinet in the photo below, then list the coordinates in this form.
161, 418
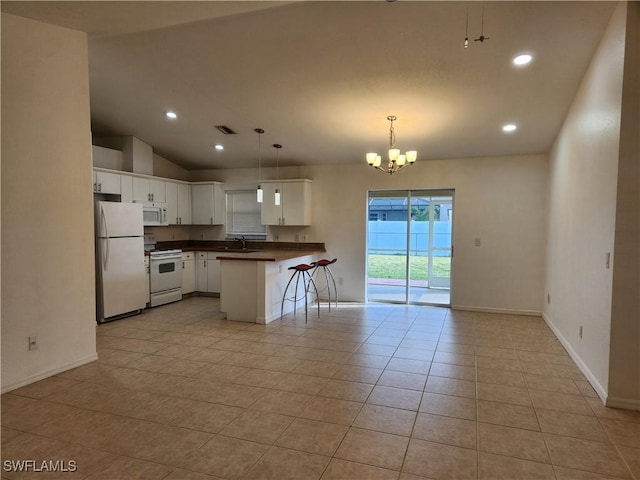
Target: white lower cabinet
207, 272
188, 273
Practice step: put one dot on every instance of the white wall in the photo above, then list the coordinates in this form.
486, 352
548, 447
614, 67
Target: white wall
47, 218
500, 200
582, 210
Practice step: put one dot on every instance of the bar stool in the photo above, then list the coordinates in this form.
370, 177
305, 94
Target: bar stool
324, 264
301, 270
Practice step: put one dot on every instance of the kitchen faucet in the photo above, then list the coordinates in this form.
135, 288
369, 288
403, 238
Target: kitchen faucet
242, 241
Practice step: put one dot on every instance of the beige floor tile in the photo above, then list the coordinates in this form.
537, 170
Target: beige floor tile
596, 457
29, 447
501, 377
221, 373
370, 361
180, 474
285, 464
498, 467
552, 384
438, 461
456, 348
257, 426
632, 457
284, 403
371, 349
225, 457
512, 442
206, 417
586, 389
451, 386
613, 413
331, 410
9, 402
449, 406
496, 352
345, 470
506, 414
560, 401
45, 387
260, 378
506, 364
317, 369
395, 397
373, 448
224, 393
571, 425
503, 393
33, 415
385, 419
408, 365
412, 381
449, 370
312, 436
8, 433
130, 344
414, 354
454, 358
449, 430
354, 373
131, 468
357, 392
622, 433
563, 473
293, 382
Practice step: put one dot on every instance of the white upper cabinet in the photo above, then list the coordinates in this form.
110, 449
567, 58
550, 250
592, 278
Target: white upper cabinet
207, 204
178, 197
149, 190
126, 188
105, 182
295, 203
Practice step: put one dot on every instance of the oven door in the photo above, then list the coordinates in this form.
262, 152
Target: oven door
166, 273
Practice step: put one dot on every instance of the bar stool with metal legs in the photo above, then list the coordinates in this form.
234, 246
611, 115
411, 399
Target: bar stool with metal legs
301, 270
324, 264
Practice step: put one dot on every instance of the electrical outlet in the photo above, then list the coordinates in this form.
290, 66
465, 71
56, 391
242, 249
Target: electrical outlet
548, 298
202, 236
276, 238
477, 242
297, 238
580, 331
304, 238
33, 343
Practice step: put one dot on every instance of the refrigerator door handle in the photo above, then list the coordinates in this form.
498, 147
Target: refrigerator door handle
105, 258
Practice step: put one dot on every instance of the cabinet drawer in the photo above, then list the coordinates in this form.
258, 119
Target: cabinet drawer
187, 256
202, 255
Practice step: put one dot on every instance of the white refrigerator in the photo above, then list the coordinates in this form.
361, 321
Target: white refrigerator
120, 270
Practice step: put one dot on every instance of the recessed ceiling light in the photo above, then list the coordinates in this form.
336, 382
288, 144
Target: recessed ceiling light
522, 59
510, 127
218, 147
171, 115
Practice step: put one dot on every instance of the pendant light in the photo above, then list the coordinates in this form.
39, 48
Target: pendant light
276, 199
259, 192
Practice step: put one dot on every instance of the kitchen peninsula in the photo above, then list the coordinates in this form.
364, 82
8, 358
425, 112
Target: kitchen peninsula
253, 279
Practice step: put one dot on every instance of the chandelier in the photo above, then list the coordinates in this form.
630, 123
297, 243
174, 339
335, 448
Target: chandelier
396, 159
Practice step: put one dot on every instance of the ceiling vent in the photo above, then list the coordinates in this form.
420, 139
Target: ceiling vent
224, 129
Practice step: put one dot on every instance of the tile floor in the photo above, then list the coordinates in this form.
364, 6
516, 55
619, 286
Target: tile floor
365, 392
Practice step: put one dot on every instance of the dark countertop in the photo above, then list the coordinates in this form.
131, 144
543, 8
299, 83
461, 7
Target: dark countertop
256, 251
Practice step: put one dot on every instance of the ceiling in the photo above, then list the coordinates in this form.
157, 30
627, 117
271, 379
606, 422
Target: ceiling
321, 77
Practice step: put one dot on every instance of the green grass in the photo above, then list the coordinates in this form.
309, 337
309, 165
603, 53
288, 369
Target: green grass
394, 266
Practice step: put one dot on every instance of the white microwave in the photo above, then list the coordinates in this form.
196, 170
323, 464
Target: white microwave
154, 214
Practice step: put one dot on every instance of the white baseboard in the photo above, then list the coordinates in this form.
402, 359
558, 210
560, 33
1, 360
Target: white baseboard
508, 311
48, 373
626, 403
600, 390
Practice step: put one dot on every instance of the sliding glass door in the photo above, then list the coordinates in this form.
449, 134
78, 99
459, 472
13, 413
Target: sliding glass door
409, 246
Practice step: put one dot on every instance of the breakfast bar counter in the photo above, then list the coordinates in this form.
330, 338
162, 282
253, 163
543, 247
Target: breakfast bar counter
252, 284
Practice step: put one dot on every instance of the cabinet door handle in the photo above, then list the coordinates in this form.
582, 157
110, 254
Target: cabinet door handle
99, 187
205, 264
183, 265
211, 220
95, 187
